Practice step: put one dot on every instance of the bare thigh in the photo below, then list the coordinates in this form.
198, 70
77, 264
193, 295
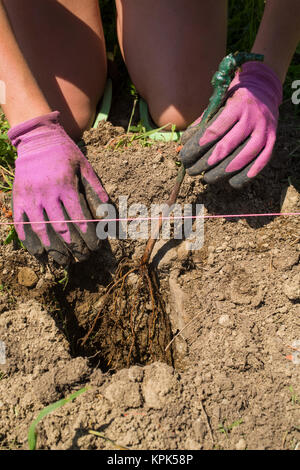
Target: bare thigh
171, 49
63, 43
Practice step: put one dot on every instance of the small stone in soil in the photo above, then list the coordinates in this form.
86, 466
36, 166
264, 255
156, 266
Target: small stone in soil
241, 445
224, 320
291, 287
27, 277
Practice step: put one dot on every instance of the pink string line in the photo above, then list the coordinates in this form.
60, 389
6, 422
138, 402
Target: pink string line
220, 216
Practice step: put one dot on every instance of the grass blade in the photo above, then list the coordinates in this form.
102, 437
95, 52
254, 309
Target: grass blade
118, 446
32, 434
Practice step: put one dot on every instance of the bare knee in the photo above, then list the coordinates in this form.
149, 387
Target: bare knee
169, 117
78, 121
178, 111
78, 110
176, 102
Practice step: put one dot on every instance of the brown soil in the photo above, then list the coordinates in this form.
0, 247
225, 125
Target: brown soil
231, 383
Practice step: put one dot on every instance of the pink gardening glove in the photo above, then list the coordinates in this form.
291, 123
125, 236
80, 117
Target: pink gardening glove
238, 142
54, 181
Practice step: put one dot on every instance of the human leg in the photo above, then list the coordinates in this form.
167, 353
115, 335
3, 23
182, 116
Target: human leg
172, 49
63, 44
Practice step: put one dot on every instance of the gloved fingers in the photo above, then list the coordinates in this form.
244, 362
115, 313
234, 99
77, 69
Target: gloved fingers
188, 134
241, 178
92, 196
244, 154
80, 211
229, 146
201, 164
191, 130
94, 192
35, 214
32, 240
221, 123
192, 151
55, 213
245, 175
264, 157
231, 141
219, 172
65, 233
253, 148
28, 237
252, 169
57, 249
95, 196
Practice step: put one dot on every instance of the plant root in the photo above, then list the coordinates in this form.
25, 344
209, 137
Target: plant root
131, 325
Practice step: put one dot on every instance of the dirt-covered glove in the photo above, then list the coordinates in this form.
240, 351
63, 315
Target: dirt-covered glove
238, 141
55, 182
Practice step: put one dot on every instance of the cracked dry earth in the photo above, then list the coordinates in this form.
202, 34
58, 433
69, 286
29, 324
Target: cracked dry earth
235, 381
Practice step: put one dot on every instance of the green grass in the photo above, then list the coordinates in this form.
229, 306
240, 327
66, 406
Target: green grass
65, 280
7, 151
140, 134
117, 446
32, 433
11, 237
243, 21
7, 156
226, 429
294, 397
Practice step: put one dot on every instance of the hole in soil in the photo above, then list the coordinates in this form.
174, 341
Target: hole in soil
133, 328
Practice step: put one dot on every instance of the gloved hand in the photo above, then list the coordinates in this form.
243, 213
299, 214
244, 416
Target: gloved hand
54, 181
237, 142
